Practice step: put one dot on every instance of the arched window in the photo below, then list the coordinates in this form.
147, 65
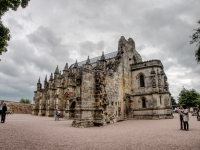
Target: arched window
73, 105
142, 81
143, 103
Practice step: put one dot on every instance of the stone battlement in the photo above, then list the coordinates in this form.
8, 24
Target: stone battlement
146, 64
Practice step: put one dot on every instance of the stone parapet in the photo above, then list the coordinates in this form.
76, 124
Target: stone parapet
146, 64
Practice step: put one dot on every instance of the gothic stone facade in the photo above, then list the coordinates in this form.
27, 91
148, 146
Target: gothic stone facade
109, 88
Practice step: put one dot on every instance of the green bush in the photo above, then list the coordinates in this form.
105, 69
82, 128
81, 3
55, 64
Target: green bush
8, 112
26, 101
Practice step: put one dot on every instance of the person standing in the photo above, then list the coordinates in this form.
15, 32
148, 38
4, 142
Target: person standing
4, 109
180, 111
198, 114
186, 118
57, 114
1, 107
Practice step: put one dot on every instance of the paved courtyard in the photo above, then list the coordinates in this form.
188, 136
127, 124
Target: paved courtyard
26, 132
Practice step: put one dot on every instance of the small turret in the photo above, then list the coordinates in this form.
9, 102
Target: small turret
75, 68
56, 73
39, 85
39, 80
88, 61
103, 57
76, 64
131, 42
121, 44
66, 67
51, 77
45, 80
57, 70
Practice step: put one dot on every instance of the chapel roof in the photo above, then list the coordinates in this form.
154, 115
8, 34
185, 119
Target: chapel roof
95, 59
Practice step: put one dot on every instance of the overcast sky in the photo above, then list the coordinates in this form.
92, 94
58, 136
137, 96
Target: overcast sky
50, 32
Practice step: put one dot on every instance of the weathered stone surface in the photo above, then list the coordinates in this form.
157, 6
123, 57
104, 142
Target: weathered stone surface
19, 108
109, 88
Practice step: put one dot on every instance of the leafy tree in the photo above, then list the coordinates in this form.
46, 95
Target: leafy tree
173, 100
188, 97
26, 101
196, 38
198, 101
5, 5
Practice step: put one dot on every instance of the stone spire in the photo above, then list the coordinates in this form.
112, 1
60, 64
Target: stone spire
76, 64
103, 57
66, 67
88, 61
39, 80
122, 38
45, 79
39, 85
51, 77
57, 70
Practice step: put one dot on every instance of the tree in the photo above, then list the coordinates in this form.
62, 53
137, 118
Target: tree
188, 97
5, 5
198, 101
26, 101
196, 39
173, 100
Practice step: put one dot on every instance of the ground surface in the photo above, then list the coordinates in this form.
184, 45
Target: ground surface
26, 132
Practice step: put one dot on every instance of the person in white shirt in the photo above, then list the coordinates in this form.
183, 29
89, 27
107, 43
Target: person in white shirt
185, 118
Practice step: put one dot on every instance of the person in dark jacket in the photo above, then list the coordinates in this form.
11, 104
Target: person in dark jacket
1, 107
181, 117
4, 109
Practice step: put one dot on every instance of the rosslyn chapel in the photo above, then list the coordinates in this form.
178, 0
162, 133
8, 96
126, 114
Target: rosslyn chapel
112, 87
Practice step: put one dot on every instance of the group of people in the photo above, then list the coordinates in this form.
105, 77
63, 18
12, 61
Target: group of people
3, 110
184, 118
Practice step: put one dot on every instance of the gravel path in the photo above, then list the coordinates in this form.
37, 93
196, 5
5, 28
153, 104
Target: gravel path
26, 132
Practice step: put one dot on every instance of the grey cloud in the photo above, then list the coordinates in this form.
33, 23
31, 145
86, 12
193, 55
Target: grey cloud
28, 17
65, 31
14, 24
44, 36
88, 47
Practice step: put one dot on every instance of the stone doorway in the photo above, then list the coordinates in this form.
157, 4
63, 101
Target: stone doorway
72, 110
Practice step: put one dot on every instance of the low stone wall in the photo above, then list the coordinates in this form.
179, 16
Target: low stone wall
19, 108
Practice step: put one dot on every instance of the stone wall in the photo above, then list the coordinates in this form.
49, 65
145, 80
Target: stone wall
19, 108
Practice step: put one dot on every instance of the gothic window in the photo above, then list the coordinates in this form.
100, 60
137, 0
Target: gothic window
142, 81
73, 105
143, 103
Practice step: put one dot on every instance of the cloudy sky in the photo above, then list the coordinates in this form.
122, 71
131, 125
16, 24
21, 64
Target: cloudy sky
50, 32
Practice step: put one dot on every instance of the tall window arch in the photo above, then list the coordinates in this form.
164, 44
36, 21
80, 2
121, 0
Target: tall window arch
143, 103
142, 81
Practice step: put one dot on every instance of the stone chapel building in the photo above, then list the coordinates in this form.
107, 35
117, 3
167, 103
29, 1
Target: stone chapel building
109, 88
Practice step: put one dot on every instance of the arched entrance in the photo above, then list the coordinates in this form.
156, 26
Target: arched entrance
72, 110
